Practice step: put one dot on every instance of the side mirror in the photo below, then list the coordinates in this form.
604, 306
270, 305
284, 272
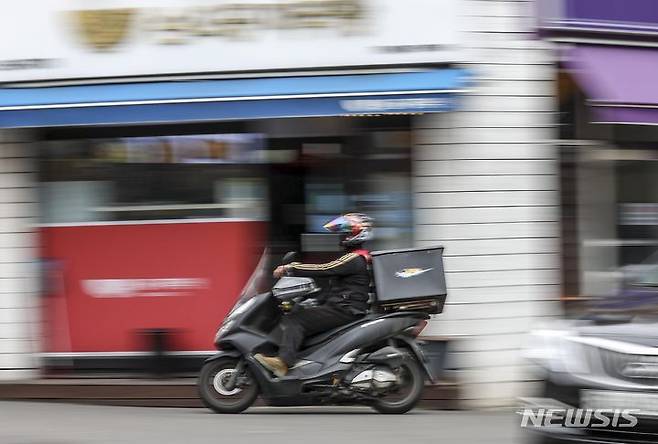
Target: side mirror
289, 257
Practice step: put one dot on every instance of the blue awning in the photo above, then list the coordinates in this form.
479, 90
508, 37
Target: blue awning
240, 99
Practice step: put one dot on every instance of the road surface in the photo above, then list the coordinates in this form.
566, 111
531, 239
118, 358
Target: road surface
50, 423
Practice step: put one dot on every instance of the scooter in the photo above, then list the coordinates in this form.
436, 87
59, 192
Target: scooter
374, 361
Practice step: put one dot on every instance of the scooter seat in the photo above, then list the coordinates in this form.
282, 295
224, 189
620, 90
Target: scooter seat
314, 340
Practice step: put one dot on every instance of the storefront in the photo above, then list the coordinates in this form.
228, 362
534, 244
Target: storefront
141, 228
179, 129
163, 172
608, 64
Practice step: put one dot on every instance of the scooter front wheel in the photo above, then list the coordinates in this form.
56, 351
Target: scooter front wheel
216, 392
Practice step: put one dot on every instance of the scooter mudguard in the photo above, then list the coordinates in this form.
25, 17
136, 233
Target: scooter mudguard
420, 357
224, 354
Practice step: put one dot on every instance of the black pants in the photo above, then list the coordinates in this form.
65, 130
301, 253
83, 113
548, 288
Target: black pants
308, 322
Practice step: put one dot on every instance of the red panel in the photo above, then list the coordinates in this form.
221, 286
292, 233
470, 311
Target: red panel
109, 282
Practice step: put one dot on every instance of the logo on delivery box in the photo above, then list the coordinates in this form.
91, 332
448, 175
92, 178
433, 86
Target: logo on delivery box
411, 272
128, 288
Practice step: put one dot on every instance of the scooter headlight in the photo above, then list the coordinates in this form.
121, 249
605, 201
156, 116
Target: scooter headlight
226, 326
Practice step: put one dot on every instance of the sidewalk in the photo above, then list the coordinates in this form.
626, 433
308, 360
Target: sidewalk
178, 392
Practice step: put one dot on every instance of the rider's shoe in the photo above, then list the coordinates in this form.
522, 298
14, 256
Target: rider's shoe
273, 364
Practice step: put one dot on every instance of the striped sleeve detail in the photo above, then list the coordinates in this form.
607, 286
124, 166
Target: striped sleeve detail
327, 266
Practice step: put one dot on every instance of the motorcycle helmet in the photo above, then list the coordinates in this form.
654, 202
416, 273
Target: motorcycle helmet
356, 228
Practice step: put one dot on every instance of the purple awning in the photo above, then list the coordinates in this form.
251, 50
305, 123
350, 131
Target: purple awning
611, 11
621, 83
627, 19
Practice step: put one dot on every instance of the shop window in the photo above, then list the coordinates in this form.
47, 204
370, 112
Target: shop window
637, 196
371, 174
296, 174
146, 178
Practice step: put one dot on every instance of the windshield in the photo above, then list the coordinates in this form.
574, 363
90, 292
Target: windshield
648, 278
257, 281
638, 294
644, 274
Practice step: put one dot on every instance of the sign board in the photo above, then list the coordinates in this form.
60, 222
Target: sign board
77, 39
108, 283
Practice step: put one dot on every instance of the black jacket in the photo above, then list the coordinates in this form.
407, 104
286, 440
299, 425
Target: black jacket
349, 280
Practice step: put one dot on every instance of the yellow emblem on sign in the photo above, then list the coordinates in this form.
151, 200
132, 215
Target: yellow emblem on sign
104, 29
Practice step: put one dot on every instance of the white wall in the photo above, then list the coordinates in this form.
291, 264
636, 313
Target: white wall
486, 186
18, 251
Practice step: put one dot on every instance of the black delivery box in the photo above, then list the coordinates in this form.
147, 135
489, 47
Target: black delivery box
411, 279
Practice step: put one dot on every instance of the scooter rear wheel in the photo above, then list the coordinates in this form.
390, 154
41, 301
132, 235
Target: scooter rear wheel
220, 398
409, 392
